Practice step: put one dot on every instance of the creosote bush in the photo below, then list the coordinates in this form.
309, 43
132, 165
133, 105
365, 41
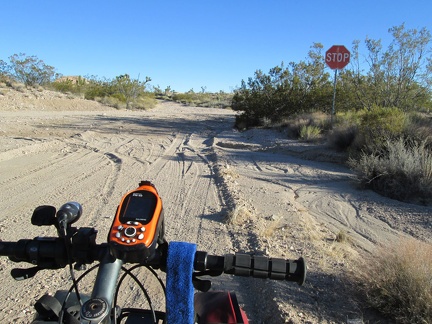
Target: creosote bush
397, 281
378, 125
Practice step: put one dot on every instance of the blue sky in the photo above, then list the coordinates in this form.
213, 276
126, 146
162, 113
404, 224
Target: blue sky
193, 44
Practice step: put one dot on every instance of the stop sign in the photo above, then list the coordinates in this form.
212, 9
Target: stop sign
337, 57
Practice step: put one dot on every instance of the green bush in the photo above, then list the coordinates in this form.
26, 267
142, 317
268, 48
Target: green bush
98, 89
284, 92
202, 99
145, 101
376, 127
74, 85
403, 171
65, 86
397, 281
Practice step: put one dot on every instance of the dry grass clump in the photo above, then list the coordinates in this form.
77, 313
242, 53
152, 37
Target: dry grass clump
419, 127
310, 133
18, 86
111, 101
238, 215
144, 102
308, 126
227, 172
342, 237
397, 281
3, 89
403, 171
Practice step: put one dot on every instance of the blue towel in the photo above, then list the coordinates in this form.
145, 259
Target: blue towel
179, 287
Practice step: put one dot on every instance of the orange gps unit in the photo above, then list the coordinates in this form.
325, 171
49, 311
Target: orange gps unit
138, 225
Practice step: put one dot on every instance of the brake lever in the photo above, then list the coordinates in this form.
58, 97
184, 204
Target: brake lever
203, 284
200, 284
21, 274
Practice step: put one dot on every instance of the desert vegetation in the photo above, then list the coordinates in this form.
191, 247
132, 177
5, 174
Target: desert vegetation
382, 123
202, 98
383, 102
397, 281
121, 92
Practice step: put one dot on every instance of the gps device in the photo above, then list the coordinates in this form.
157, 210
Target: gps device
138, 225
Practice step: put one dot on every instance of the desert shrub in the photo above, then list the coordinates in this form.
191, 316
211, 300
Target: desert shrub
342, 137
18, 86
99, 88
310, 132
402, 171
294, 126
397, 281
202, 99
419, 127
238, 215
350, 117
74, 85
306, 126
6, 80
118, 101
377, 126
345, 130
145, 101
111, 101
65, 86
30, 70
184, 98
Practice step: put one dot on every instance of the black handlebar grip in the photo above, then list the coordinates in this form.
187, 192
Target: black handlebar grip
263, 267
14, 249
47, 253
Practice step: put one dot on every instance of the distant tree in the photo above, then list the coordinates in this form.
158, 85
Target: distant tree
97, 88
284, 91
129, 88
400, 76
4, 71
30, 70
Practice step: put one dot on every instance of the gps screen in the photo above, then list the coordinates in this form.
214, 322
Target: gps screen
138, 206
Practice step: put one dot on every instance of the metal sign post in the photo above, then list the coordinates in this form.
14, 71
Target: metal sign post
337, 57
334, 97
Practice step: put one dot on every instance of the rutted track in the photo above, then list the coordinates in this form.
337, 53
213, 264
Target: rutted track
96, 166
202, 169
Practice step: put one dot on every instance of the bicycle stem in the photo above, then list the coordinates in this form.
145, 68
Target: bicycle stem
98, 308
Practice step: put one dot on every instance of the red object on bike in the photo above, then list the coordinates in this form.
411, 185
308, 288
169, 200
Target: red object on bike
218, 307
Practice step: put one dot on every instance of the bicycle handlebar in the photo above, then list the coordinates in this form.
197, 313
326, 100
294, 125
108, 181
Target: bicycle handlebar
51, 253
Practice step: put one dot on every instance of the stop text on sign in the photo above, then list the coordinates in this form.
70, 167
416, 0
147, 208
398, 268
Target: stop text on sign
337, 57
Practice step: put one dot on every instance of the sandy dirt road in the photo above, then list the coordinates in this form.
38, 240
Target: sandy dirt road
287, 203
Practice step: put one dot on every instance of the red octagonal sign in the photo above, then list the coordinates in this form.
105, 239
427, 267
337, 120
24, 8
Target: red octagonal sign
337, 57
